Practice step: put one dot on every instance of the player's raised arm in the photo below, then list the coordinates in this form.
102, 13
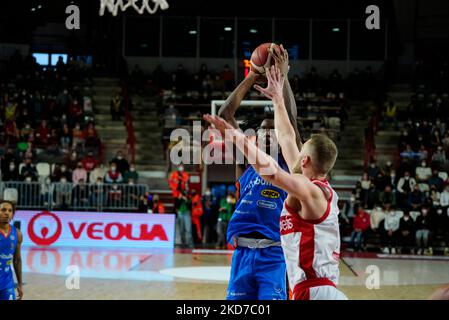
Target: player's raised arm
296, 185
232, 103
284, 129
17, 261
280, 56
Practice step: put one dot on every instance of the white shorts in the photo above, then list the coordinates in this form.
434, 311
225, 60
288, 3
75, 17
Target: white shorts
318, 289
326, 293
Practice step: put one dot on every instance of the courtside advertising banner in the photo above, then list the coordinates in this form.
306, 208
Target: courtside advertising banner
96, 229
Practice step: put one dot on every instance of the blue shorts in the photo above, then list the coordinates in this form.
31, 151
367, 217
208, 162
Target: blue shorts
258, 274
8, 293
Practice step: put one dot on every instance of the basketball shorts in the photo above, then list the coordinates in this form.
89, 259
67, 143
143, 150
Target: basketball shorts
318, 289
8, 293
257, 274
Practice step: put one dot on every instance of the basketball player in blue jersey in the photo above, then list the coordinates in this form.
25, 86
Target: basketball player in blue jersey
258, 269
10, 242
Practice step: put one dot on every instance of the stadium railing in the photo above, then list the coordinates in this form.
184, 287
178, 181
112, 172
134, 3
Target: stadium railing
69, 196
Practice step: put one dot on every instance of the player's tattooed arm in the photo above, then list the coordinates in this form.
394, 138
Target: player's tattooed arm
18, 265
280, 56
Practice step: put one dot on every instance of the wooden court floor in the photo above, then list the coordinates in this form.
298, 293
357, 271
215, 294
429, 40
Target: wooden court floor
202, 276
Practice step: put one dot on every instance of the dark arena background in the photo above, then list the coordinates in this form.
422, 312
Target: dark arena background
97, 110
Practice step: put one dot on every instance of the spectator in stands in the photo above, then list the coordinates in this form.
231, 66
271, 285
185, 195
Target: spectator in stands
75, 112
358, 193
63, 99
435, 180
423, 153
117, 107
360, 224
228, 77
178, 181
208, 217
60, 66
45, 191
388, 196
435, 141
415, 199
445, 141
77, 137
183, 207
146, 203
99, 172
439, 158
26, 131
7, 158
423, 172
390, 115
97, 193
197, 212
131, 174
365, 182
158, 205
423, 224
79, 173
115, 196
91, 136
391, 227
66, 173
435, 195
405, 185
28, 170
404, 140
66, 138
380, 181
227, 205
42, 134
407, 232
121, 162
171, 117
12, 174
80, 195
444, 199
71, 161
89, 162
372, 196
113, 175
373, 169
63, 194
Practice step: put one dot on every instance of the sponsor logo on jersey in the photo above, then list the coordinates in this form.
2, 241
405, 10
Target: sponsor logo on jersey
266, 204
246, 201
6, 256
269, 193
286, 223
257, 181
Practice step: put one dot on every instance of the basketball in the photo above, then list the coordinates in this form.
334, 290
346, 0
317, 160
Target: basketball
261, 58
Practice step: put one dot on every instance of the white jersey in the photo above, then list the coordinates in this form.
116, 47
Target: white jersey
312, 247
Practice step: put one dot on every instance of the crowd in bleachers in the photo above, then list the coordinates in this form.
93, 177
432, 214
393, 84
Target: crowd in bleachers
408, 199
51, 154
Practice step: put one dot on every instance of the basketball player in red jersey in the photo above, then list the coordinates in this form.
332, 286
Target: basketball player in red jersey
309, 220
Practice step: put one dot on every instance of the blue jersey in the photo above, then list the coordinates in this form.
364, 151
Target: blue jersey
259, 206
8, 245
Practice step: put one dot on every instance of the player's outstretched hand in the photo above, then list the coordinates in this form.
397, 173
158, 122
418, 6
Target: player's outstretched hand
219, 123
275, 83
280, 56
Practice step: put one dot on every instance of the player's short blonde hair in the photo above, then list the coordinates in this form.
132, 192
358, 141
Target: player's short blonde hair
323, 153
